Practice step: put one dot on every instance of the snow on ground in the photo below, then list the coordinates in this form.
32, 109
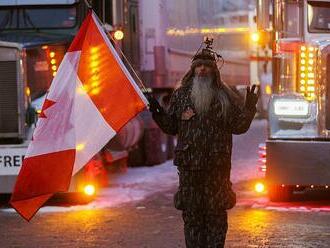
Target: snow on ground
138, 183
134, 185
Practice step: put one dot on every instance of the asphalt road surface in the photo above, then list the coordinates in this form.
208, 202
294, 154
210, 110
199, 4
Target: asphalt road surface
137, 211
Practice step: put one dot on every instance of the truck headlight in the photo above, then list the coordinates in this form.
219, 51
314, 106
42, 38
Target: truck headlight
291, 107
89, 190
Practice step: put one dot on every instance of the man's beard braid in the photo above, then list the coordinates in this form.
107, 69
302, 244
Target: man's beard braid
203, 92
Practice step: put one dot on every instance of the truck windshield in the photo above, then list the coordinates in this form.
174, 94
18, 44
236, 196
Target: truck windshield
38, 17
288, 18
318, 17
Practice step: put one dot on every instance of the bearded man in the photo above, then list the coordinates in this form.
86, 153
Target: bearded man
204, 113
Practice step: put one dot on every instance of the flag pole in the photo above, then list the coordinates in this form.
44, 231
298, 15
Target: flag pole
144, 89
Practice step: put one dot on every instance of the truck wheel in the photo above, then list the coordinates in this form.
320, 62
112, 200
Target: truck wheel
155, 145
277, 193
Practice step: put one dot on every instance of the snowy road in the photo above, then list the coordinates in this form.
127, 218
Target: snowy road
137, 211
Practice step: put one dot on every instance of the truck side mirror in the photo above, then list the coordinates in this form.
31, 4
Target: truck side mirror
263, 15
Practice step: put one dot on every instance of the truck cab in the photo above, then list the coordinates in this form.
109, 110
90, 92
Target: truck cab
299, 112
34, 36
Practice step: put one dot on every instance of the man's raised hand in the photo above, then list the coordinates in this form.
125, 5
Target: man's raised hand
252, 95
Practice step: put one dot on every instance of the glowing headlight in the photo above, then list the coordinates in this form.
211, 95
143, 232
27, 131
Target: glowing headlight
291, 107
89, 189
259, 187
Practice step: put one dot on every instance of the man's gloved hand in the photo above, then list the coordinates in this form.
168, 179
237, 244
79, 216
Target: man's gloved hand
251, 96
154, 105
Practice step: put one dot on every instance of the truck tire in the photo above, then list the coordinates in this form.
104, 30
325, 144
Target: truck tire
136, 156
155, 145
277, 193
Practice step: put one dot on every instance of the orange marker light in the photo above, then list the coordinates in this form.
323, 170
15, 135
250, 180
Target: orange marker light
259, 187
118, 35
89, 189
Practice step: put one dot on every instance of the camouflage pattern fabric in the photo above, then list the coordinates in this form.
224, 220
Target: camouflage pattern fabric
205, 230
203, 151
203, 158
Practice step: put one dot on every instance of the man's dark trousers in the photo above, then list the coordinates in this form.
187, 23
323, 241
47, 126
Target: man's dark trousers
204, 230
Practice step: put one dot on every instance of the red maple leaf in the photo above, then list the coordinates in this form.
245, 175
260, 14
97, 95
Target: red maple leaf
47, 104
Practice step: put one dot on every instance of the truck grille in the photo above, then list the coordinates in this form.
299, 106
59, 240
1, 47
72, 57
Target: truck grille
8, 99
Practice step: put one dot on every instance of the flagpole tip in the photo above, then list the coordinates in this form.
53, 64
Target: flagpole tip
88, 4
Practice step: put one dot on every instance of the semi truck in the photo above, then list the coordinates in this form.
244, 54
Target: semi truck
297, 149
34, 36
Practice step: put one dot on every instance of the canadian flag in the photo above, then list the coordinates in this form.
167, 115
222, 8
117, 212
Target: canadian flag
90, 99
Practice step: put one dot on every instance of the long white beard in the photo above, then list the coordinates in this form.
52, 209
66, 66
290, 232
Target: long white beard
202, 93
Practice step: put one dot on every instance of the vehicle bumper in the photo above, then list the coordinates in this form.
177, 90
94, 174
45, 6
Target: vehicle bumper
7, 184
298, 162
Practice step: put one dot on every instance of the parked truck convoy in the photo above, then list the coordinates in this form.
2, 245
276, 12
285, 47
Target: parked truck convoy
298, 144
32, 46
34, 36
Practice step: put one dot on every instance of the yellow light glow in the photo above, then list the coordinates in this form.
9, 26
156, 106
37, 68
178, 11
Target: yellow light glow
255, 37
302, 75
27, 91
259, 187
302, 81
310, 81
80, 147
303, 48
311, 62
118, 35
191, 31
52, 54
54, 73
311, 55
95, 77
310, 68
89, 189
303, 55
268, 89
53, 61
303, 61
95, 70
302, 88
310, 75
95, 91
95, 84
94, 49
311, 49
54, 67
311, 88
94, 63
44, 47
95, 57
302, 68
